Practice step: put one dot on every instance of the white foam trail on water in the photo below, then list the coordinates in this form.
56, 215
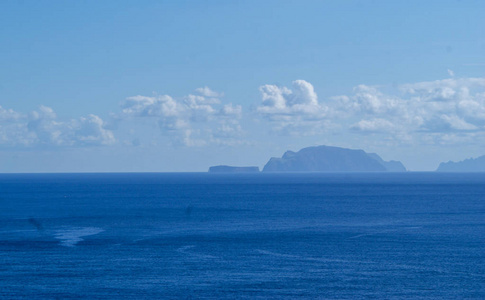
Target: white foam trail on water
70, 237
278, 254
383, 232
303, 258
184, 250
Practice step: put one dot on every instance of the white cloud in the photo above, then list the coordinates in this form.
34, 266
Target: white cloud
303, 94
13, 130
439, 107
374, 125
42, 124
274, 99
192, 120
227, 130
7, 115
473, 110
447, 123
368, 100
441, 88
293, 109
207, 92
458, 123
141, 106
415, 112
232, 111
41, 127
441, 111
84, 131
199, 108
91, 130
301, 100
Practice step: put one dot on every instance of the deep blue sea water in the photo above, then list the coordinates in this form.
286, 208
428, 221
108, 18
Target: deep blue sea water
196, 235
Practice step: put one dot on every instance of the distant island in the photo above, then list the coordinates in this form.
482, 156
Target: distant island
467, 165
331, 159
321, 159
231, 169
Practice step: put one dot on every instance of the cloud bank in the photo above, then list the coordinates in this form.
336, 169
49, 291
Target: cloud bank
439, 111
448, 111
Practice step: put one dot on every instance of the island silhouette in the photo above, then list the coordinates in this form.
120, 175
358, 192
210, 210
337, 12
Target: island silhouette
467, 165
322, 159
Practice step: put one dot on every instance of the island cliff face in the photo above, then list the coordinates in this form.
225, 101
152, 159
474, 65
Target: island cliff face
467, 165
231, 169
331, 159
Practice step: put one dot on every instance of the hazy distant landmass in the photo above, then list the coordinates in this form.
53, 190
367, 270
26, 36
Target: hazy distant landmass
231, 169
391, 166
467, 165
331, 159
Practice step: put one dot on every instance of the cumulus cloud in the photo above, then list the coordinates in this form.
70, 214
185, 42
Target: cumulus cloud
207, 92
41, 127
196, 119
90, 130
420, 112
12, 127
441, 108
438, 89
7, 115
282, 101
292, 109
448, 105
443, 111
192, 120
142, 106
368, 100
231, 111
47, 130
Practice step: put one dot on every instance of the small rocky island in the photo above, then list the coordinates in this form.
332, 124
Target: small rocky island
467, 165
231, 169
331, 159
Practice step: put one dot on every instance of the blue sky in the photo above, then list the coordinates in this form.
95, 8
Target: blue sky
182, 85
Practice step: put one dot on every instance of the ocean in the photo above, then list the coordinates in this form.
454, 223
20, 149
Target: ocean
257, 236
